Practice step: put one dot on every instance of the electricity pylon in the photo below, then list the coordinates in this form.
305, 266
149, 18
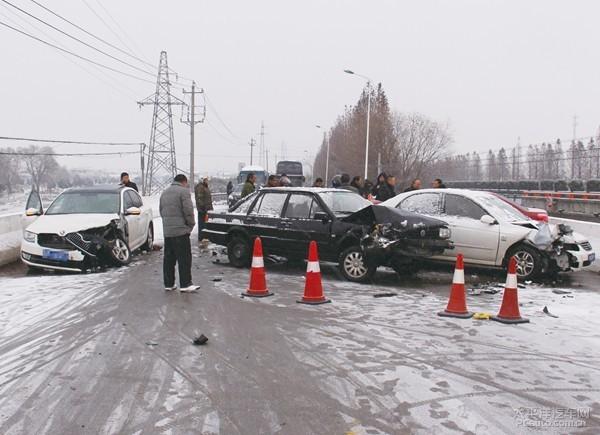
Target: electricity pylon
162, 164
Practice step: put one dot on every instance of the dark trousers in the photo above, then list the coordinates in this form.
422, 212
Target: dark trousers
201, 223
178, 250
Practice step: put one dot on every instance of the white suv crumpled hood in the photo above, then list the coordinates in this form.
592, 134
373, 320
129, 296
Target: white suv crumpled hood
69, 223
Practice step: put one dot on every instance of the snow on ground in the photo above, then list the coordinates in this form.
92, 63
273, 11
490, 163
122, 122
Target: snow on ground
406, 364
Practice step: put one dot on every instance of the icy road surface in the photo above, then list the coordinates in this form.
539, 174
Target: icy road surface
111, 353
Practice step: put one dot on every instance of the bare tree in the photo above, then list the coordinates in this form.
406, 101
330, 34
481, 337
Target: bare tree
9, 170
420, 143
39, 163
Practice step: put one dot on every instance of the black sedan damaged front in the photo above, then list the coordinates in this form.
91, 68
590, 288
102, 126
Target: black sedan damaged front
396, 238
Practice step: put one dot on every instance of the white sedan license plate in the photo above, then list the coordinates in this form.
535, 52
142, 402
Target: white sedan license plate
55, 255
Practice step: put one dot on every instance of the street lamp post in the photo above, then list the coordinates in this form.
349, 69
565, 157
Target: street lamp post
327, 158
347, 71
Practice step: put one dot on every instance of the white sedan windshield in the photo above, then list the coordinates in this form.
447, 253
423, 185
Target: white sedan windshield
85, 202
343, 202
500, 209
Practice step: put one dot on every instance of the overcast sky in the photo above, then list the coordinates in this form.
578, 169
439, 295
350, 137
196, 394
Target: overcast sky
494, 70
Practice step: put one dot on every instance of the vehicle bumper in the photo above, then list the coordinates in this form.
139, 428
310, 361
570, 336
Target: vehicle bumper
32, 255
579, 260
216, 237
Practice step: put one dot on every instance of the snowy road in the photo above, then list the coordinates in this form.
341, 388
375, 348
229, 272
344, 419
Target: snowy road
112, 353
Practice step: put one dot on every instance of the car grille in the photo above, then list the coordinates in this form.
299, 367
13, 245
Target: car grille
587, 246
54, 241
78, 241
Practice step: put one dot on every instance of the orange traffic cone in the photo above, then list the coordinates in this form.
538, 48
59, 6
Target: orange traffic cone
258, 282
457, 304
509, 310
313, 289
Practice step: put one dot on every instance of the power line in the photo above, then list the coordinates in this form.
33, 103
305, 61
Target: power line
71, 141
92, 35
208, 101
98, 38
123, 32
77, 39
75, 54
115, 86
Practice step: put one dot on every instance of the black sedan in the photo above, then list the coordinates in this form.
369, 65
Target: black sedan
349, 230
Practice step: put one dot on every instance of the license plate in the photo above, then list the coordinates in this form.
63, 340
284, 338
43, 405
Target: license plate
592, 257
55, 255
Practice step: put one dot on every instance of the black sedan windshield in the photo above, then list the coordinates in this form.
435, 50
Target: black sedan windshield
343, 202
85, 202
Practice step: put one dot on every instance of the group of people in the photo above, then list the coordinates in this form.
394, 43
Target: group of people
273, 181
383, 189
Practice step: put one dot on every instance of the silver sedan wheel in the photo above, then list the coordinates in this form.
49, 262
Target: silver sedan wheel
354, 265
120, 250
525, 263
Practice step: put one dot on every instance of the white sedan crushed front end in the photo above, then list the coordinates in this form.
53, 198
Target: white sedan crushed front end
49, 251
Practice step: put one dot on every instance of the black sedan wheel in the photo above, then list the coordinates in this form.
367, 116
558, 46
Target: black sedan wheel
238, 252
353, 266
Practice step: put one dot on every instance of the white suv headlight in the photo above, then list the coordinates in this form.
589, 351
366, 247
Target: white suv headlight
29, 236
445, 233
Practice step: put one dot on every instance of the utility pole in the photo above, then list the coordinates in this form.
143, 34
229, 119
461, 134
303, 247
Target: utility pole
261, 148
252, 145
574, 128
192, 121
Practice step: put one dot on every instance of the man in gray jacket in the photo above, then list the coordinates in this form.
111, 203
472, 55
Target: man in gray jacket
177, 212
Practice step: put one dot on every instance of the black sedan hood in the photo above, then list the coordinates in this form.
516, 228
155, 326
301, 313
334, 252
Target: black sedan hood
400, 219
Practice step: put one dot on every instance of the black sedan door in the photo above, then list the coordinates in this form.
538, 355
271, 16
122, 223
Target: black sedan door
299, 225
264, 219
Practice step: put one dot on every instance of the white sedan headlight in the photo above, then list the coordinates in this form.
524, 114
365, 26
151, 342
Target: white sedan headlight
445, 233
29, 236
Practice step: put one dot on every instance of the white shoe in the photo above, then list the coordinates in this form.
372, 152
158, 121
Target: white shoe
169, 289
190, 288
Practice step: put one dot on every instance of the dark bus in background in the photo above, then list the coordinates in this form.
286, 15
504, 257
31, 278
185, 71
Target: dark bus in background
293, 170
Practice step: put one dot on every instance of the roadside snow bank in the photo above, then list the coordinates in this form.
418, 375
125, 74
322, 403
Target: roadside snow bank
11, 232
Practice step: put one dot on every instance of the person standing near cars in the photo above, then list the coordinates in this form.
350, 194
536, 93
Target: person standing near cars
203, 202
345, 183
414, 185
388, 189
177, 213
125, 181
249, 186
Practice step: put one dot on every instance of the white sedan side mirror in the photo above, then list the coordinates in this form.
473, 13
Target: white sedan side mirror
32, 212
135, 211
487, 219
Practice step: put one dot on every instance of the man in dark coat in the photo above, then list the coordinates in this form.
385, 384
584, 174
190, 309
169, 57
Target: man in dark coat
203, 203
415, 185
388, 189
345, 184
125, 181
249, 185
177, 213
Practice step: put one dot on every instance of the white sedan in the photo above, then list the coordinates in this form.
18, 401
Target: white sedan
488, 231
85, 228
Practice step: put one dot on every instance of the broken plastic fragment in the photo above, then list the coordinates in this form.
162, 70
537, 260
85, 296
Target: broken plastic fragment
545, 311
